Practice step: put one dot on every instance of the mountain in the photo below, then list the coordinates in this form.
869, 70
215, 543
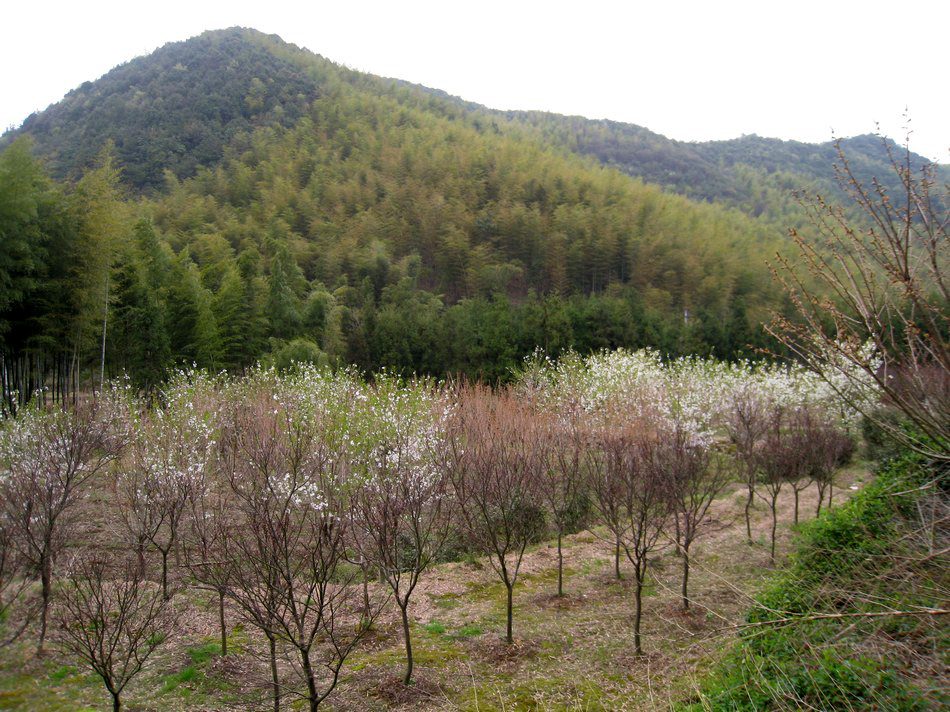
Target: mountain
234, 197
174, 109
179, 107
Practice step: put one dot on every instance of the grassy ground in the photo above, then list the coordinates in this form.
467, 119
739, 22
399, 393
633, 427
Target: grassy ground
571, 653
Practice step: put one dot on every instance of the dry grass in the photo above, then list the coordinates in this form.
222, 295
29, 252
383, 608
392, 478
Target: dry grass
571, 653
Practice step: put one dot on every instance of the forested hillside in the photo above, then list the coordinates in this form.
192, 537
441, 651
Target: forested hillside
233, 197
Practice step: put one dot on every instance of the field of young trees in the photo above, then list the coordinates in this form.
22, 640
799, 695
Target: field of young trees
311, 505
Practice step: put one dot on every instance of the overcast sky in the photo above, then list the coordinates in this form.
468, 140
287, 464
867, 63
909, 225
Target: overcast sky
689, 70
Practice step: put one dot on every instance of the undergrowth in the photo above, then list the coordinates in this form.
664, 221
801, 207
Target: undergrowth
845, 626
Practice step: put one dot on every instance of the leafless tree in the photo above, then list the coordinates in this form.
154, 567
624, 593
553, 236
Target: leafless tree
564, 443
495, 465
782, 458
746, 422
48, 457
112, 619
830, 448
14, 584
693, 478
878, 277
627, 489
605, 487
290, 538
206, 552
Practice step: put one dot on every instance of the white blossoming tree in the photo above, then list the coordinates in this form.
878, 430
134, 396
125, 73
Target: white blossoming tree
397, 435
285, 464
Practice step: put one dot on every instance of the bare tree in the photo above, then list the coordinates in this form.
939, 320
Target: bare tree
872, 299
694, 478
607, 489
48, 457
14, 584
629, 489
745, 422
495, 464
290, 540
206, 552
399, 503
783, 457
564, 446
830, 448
112, 619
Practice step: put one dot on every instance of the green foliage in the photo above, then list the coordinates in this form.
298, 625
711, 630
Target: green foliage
299, 351
835, 566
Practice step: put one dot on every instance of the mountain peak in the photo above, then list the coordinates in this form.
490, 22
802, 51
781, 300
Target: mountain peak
176, 108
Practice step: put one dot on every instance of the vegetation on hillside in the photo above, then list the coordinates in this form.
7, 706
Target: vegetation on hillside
855, 620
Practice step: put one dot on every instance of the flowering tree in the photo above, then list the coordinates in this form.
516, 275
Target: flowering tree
397, 436
286, 468
171, 450
46, 459
495, 464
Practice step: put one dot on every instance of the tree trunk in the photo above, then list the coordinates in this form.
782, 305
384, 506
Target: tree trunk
638, 612
105, 322
617, 559
560, 566
748, 514
677, 550
508, 635
685, 578
821, 496
365, 591
164, 574
46, 580
116, 699
796, 505
774, 526
275, 681
224, 630
140, 552
404, 609
312, 697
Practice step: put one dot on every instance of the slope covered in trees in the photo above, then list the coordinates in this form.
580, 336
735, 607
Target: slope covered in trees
346, 219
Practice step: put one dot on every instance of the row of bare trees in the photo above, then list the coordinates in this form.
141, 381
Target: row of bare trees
263, 496
777, 446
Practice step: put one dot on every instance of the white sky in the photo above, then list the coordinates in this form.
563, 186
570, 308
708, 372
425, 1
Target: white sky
701, 70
